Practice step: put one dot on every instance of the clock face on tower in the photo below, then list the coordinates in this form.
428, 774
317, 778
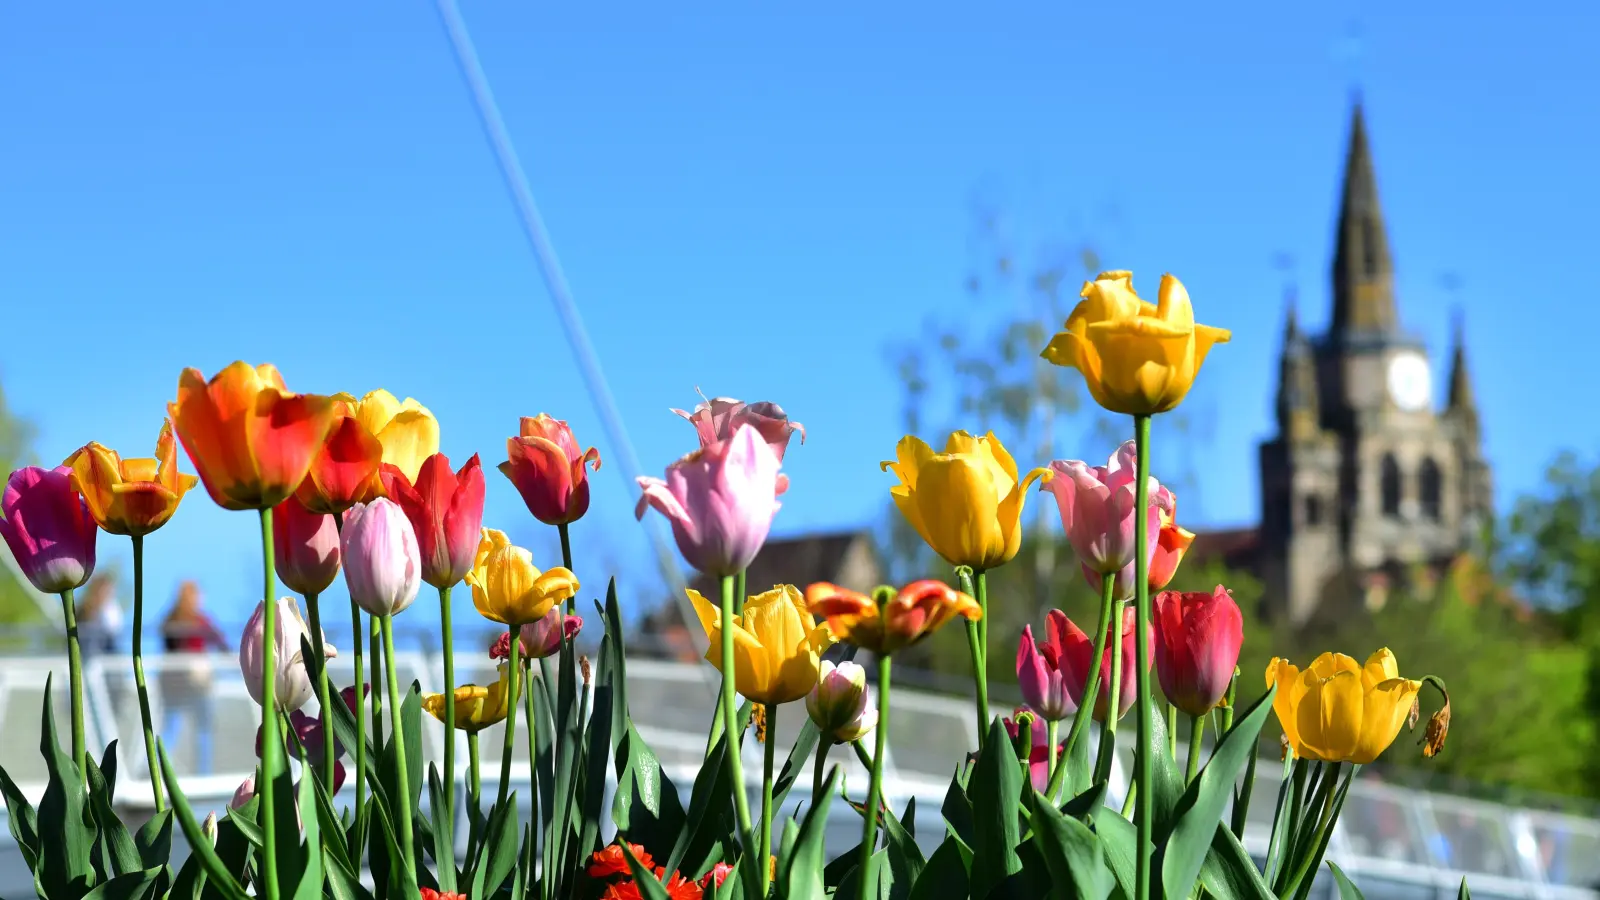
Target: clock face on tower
1410, 384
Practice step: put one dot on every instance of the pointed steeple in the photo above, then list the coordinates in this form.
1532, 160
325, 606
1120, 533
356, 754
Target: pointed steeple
1297, 406
1462, 400
1363, 271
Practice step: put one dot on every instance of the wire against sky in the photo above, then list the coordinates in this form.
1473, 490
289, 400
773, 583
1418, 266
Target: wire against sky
560, 294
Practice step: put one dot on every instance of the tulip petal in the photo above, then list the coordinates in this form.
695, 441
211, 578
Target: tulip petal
1387, 705
1330, 715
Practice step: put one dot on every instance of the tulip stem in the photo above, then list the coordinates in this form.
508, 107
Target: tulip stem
566, 560
375, 635
1197, 730
869, 827
360, 711
980, 665
69, 613
982, 596
730, 717
138, 674
474, 779
271, 745
1143, 818
449, 706
513, 677
739, 595
329, 758
823, 744
862, 755
1052, 734
1108, 728
402, 774
1172, 732
1091, 689
768, 758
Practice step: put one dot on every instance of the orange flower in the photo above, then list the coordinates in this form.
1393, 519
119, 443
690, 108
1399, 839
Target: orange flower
431, 894
250, 439
346, 468
678, 888
916, 611
130, 496
610, 861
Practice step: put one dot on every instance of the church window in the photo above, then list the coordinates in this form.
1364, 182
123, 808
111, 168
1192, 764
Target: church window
1313, 510
1389, 489
1431, 489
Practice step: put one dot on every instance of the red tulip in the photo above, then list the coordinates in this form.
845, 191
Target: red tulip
446, 512
305, 546
549, 470
1197, 647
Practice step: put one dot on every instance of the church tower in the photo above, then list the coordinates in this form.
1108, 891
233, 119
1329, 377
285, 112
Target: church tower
1365, 482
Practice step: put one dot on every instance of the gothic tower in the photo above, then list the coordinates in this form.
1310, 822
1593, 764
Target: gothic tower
1365, 483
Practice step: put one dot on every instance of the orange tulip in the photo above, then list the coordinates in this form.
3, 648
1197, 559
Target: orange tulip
346, 470
249, 438
914, 612
130, 496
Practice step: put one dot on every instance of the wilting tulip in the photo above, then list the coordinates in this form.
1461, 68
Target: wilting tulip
1038, 753
1198, 636
305, 547
549, 471
1135, 358
249, 438
408, 431
839, 704
291, 684
477, 707
966, 502
1340, 711
719, 419
1076, 652
346, 470
1097, 509
1040, 671
130, 496
49, 528
777, 645
1171, 545
507, 587
446, 512
540, 639
914, 612
381, 567
720, 500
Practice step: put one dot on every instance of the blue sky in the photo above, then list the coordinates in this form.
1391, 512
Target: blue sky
757, 200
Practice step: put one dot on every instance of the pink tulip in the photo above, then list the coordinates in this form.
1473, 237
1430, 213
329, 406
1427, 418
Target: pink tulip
1039, 753
246, 791
381, 561
840, 705
720, 500
1077, 655
719, 419
1097, 509
305, 547
291, 683
1039, 672
1197, 647
446, 513
539, 639
48, 528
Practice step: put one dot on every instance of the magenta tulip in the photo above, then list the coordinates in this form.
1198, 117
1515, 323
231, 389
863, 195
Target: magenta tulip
539, 639
1097, 510
720, 500
48, 528
446, 513
1077, 655
1197, 647
305, 547
1040, 672
381, 564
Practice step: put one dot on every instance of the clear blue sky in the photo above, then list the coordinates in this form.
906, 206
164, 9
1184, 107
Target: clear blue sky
755, 199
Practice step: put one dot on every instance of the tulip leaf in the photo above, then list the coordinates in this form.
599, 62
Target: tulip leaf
22, 819
127, 886
643, 879
1072, 853
498, 855
646, 806
219, 877
1183, 848
1087, 803
710, 816
800, 873
1463, 893
286, 825
597, 753
332, 825
444, 850
1349, 891
342, 882
614, 666
1229, 873
1167, 792
996, 790
189, 880
121, 853
957, 809
1119, 840
154, 839
66, 870
945, 875
244, 820
905, 857
801, 754
305, 881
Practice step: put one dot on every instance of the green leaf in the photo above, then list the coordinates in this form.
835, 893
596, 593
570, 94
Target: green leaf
1072, 853
334, 836
945, 875
342, 882
957, 809
905, 857
996, 790
244, 819
597, 754
66, 871
802, 879
1349, 891
127, 886
1086, 804
218, 876
154, 840
22, 820
1080, 774
498, 855
643, 878
1118, 839
1229, 873
1182, 850
305, 883
1463, 894
108, 771
186, 886
444, 849
122, 853
646, 806
711, 814
1168, 791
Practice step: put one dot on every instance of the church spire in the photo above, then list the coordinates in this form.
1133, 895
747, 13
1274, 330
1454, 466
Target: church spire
1462, 400
1363, 272
1297, 406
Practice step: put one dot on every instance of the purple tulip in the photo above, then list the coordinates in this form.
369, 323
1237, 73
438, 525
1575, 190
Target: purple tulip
718, 419
720, 500
48, 528
1039, 673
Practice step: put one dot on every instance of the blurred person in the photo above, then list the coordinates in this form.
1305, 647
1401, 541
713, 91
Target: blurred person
99, 616
189, 634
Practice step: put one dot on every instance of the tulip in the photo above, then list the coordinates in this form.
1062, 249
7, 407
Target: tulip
49, 528
839, 704
1076, 652
381, 567
720, 500
477, 707
407, 431
507, 588
1097, 506
549, 471
249, 438
1135, 358
1338, 710
291, 685
446, 512
244, 794
914, 612
719, 419
431, 894
305, 547
777, 645
1197, 647
1038, 752
1171, 544
345, 470
610, 861
966, 502
1040, 673
130, 496
540, 639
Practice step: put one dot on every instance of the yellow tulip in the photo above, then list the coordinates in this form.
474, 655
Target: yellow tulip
130, 496
777, 644
966, 502
408, 431
1340, 711
1137, 359
507, 587
477, 707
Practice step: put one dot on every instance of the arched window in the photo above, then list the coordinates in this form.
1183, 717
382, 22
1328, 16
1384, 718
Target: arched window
1389, 490
1431, 488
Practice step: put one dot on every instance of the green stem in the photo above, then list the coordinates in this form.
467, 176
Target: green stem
1052, 730
1108, 728
566, 561
1091, 689
474, 776
530, 714
1143, 819
361, 711
823, 743
271, 746
869, 828
1127, 802
513, 675
862, 756
138, 673
324, 699
730, 717
69, 612
449, 706
1172, 732
375, 637
402, 774
1312, 855
982, 597
739, 595
1241, 798
768, 759
1197, 729
975, 647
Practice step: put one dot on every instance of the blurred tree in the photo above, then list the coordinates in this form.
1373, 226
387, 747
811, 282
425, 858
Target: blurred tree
19, 604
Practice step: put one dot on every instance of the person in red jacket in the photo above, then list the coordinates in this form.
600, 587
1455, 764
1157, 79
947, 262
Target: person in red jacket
189, 634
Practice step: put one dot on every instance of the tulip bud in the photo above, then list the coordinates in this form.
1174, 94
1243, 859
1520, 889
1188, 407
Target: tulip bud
292, 685
208, 828
839, 704
48, 527
1032, 743
243, 795
381, 564
305, 547
1198, 636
